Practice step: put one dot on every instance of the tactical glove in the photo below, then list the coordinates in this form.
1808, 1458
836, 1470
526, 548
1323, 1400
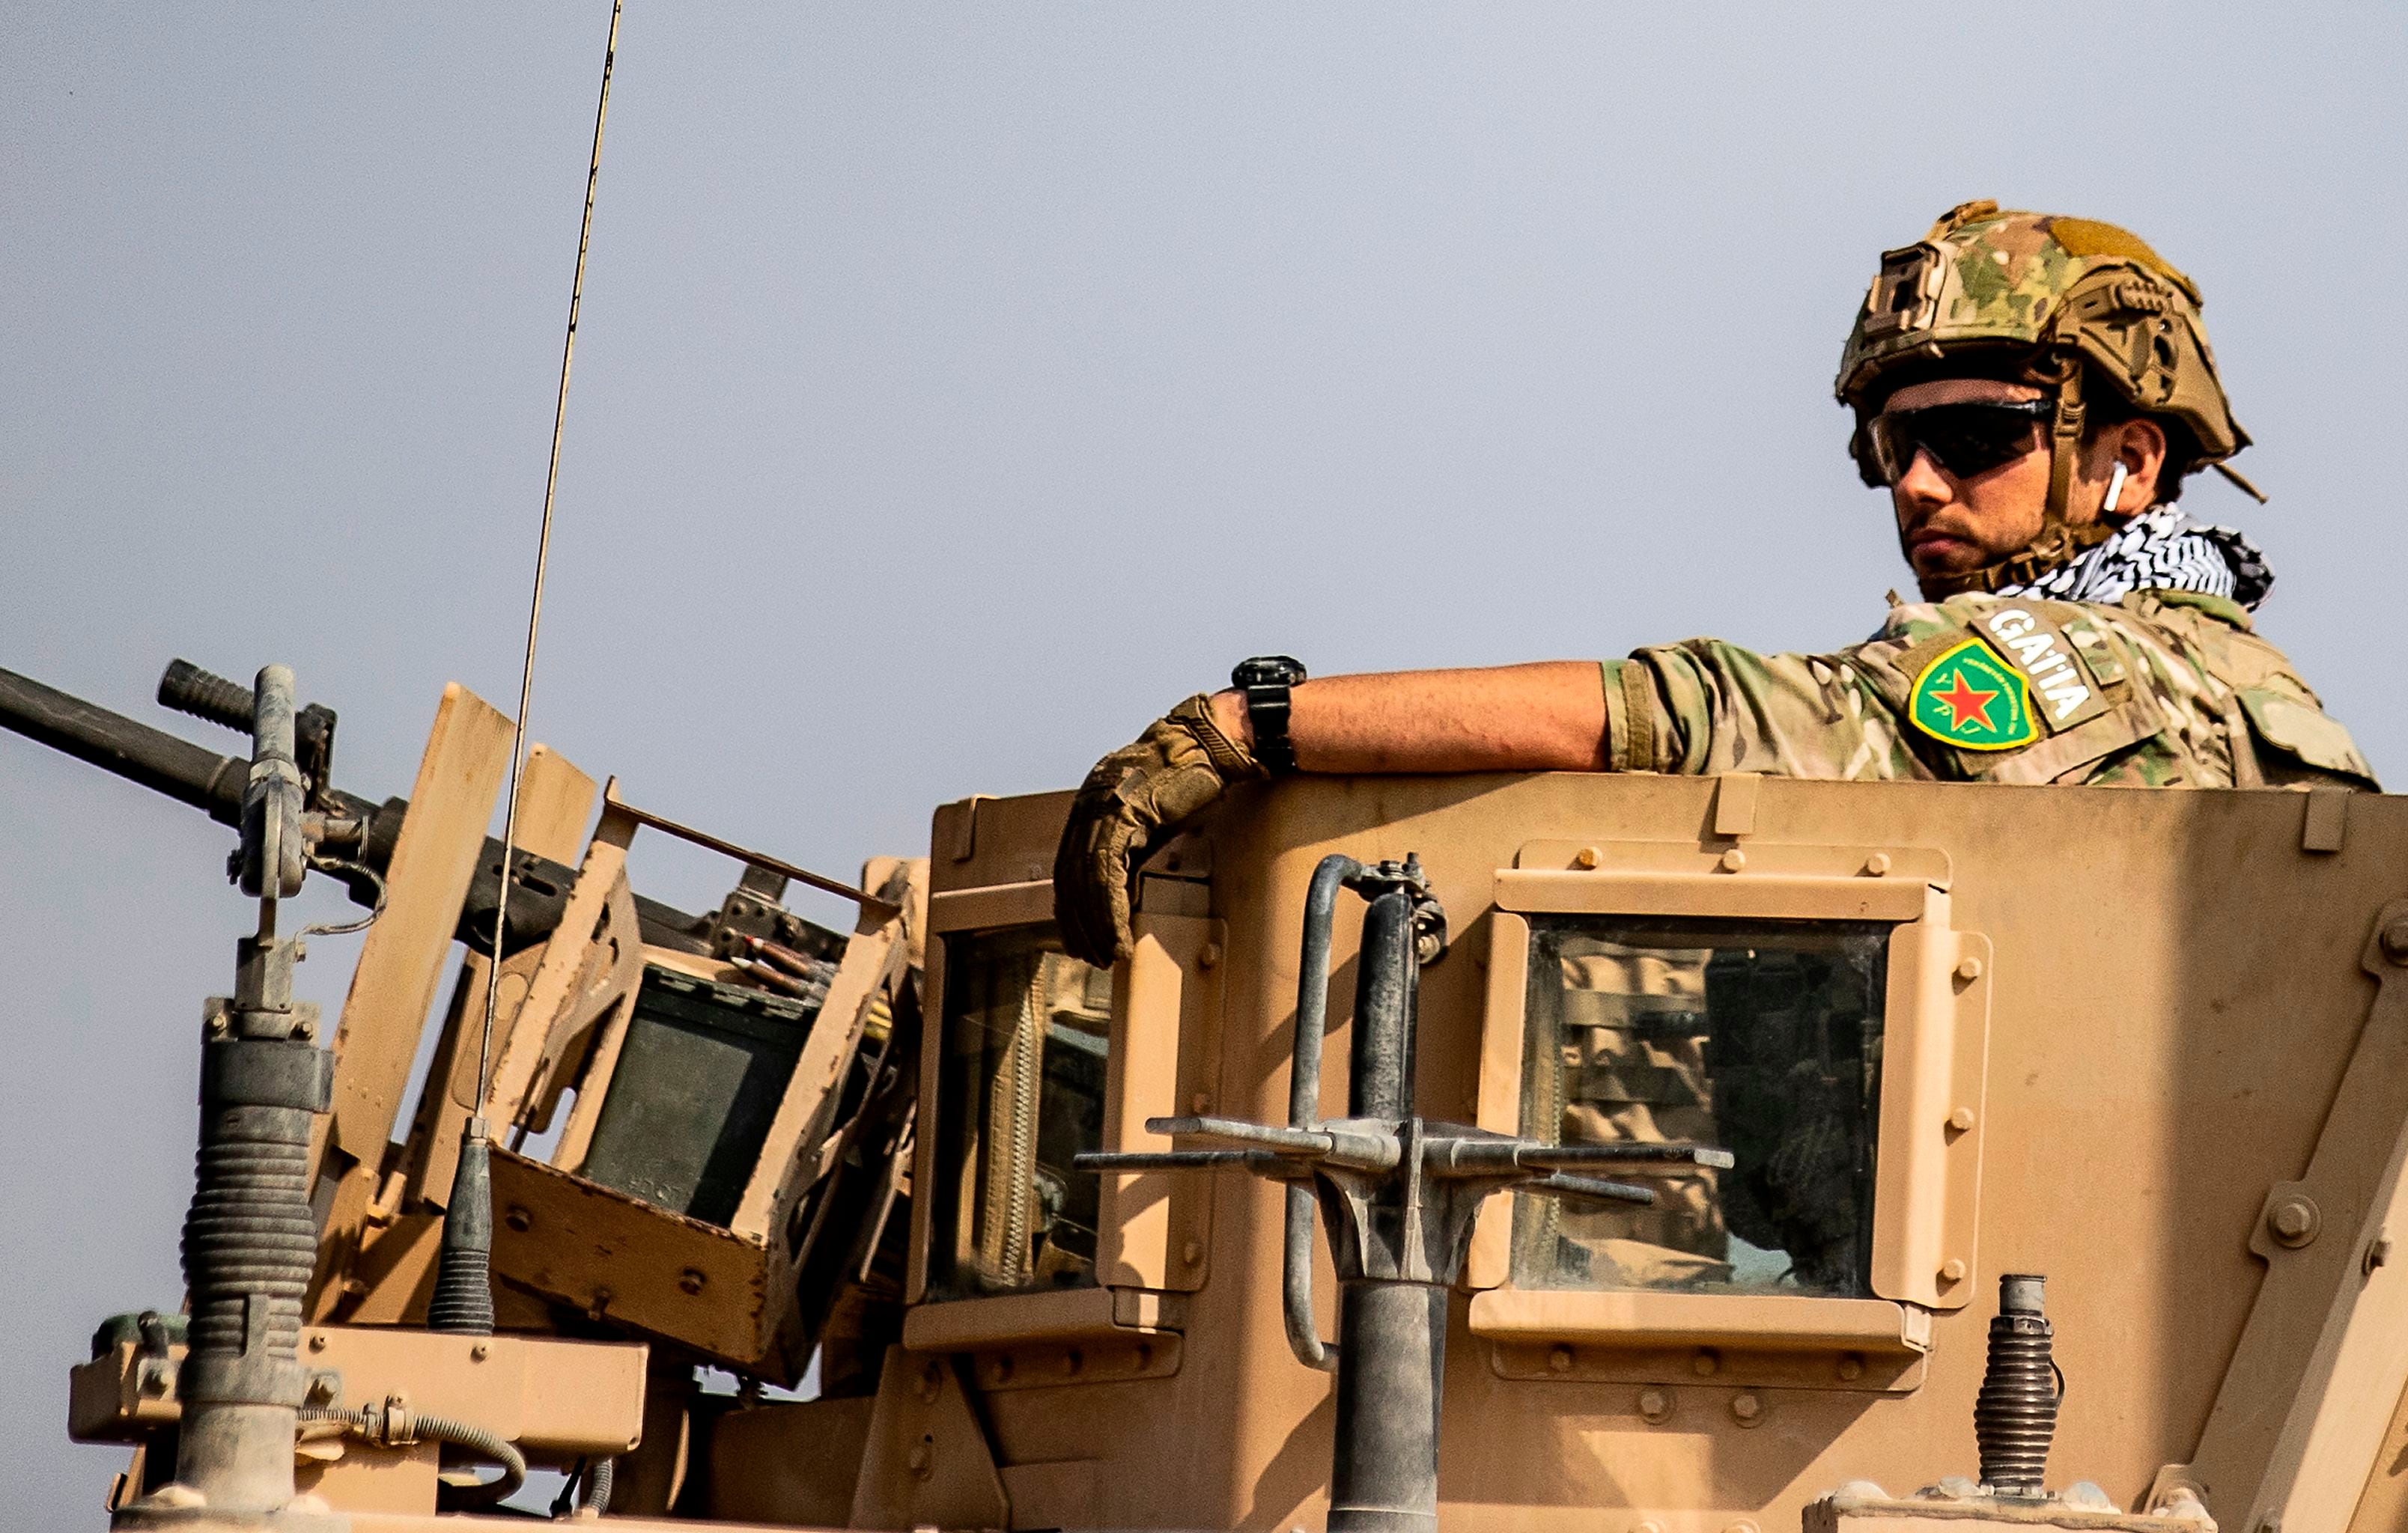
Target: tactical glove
1136, 799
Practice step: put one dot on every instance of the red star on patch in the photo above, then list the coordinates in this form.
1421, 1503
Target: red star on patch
1966, 705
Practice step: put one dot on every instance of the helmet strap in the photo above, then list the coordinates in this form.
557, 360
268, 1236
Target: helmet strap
2064, 445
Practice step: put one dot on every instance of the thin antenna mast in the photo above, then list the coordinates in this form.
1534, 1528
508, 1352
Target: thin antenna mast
463, 1301
542, 558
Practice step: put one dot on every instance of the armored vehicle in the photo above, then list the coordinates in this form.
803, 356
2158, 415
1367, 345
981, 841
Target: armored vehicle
1649, 1153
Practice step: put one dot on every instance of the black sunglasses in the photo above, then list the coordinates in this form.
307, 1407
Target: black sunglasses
1965, 439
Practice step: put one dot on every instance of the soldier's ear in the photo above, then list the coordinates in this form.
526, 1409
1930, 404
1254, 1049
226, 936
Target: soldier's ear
2143, 451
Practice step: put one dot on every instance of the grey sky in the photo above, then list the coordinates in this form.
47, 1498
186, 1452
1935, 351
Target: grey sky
959, 387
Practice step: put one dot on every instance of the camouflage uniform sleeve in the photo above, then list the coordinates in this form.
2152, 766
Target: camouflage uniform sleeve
1705, 706
2159, 691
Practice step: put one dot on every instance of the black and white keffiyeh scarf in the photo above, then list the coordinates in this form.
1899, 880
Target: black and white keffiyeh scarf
2159, 550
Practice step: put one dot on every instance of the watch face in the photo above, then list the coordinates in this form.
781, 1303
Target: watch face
1266, 670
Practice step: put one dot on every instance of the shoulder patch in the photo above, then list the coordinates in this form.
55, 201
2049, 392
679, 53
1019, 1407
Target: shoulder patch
1969, 697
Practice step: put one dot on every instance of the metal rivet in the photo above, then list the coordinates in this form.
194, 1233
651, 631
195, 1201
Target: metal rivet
478, 1353
924, 1453
1852, 1366
1000, 1371
1072, 1361
1953, 1269
1734, 860
1192, 1253
1586, 857
1877, 864
1961, 1119
930, 1381
2395, 941
1208, 955
317, 1341
2378, 1252
1200, 1102
1560, 1359
1706, 1363
1968, 969
1747, 1409
2295, 1220
519, 1219
691, 1281
1655, 1405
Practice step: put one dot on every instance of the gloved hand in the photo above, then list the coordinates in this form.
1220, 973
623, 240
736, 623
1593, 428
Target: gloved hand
1136, 799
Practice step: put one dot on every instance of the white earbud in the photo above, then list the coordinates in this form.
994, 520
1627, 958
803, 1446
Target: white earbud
2115, 491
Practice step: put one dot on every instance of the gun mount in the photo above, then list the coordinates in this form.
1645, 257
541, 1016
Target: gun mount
1400, 1193
364, 833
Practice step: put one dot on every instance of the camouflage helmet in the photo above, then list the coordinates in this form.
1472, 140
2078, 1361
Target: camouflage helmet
2043, 295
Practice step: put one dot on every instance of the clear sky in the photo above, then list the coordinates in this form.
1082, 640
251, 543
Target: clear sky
959, 387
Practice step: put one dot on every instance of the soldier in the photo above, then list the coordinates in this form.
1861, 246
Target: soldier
2032, 390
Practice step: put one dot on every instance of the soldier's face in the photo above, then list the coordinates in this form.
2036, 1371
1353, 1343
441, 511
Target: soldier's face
1949, 525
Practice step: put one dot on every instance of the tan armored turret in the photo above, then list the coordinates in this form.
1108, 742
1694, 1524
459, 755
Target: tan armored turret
2147, 1045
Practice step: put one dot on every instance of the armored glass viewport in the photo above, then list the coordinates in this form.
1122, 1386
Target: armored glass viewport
1028, 1034
1762, 1038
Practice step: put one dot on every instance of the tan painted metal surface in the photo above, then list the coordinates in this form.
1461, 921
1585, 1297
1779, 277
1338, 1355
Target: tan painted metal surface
2159, 1053
2154, 1045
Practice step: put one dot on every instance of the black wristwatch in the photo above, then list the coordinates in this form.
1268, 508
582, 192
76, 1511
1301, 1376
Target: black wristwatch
1265, 679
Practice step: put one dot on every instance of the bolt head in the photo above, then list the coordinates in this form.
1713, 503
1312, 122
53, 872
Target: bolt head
921, 1456
2395, 941
1559, 1360
1734, 860
1746, 1408
1655, 1405
1877, 864
1192, 1253
1961, 1119
691, 1281
2293, 1221
1953, 1269
1586, 857
519, 1218
1968, 969
478, 1353
1852, 1367
317, 1341
1706, 1363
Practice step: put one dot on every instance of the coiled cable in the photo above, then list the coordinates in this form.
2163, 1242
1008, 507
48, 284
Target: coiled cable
392, 1427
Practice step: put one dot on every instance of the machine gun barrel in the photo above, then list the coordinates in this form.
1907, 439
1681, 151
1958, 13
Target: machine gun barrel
178, 769
157, 760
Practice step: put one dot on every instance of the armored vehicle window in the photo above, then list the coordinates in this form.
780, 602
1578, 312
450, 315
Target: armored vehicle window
1762, 1038
1027, 1031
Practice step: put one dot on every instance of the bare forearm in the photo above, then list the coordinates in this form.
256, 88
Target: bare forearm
1545, 717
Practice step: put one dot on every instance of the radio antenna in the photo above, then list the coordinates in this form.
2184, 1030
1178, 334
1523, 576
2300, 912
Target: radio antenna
463, 1296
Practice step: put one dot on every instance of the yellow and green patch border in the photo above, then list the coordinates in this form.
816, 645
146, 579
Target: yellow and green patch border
1971, 697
